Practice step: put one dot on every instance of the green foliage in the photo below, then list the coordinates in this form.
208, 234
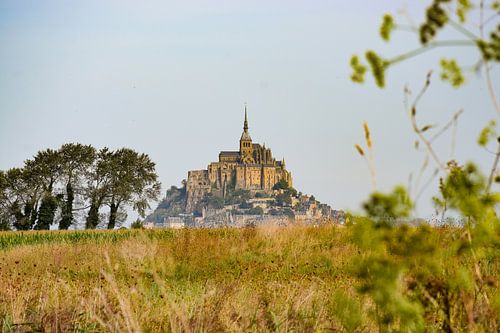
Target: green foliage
54, 180
46, 212
137, 224
236, 197
76, 160
464, 189
437, 17
396, 204
401, 269
256, 211
348, 311
283, 199
132, 180
488, 133
260, 195
213, 201
359, 70
387, 27
451, 72
394, 268
245, 205
281, 185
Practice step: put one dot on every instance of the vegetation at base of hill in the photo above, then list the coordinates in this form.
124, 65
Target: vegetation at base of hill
173, 204
56, 187
282, 194
364, 277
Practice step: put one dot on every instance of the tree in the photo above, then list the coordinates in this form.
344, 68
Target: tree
133, 181
281, 185
19, 197
44, 170
98, 186
76, 160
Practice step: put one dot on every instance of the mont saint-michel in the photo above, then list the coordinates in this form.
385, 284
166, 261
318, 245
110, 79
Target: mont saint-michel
245, 186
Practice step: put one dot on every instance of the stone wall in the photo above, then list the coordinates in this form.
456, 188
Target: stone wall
198, 184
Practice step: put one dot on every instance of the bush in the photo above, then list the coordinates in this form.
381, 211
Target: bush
138, 224
256, 211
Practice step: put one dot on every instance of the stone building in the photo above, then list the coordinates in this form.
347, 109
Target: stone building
252, 168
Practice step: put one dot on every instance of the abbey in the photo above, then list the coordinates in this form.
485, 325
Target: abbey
251, 168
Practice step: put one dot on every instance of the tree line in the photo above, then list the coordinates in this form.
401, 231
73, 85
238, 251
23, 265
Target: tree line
55, 187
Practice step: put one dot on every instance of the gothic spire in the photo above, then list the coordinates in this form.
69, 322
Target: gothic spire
245, 124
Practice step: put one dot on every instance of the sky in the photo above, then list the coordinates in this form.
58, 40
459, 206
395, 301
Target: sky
170, 79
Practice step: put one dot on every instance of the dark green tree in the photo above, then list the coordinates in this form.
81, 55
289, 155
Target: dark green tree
45, 170
281, 185
133, 181
98, 185
19, 197
76, 160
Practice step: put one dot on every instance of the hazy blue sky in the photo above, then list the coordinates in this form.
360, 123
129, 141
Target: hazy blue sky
170, 78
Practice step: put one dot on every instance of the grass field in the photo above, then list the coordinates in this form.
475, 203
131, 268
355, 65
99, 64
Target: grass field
299, 279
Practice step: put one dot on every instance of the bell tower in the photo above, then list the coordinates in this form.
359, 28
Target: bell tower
246, 148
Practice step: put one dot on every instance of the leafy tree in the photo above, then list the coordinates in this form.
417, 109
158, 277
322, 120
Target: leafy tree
45, 170
133, 181
47, 211
281, 185
98, 186
20, 194
76, 160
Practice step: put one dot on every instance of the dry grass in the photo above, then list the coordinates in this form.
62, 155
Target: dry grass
263, 279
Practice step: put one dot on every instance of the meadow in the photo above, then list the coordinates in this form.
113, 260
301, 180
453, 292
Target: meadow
301, 278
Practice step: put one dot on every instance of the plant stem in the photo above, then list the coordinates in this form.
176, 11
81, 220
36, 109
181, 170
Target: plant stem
493, 170
428, 47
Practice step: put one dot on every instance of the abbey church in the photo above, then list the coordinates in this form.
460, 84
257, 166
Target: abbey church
251, 168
